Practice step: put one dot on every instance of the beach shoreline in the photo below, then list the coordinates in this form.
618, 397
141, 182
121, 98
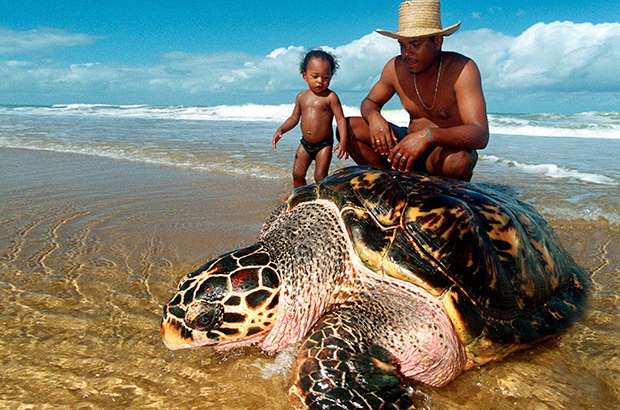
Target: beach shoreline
141, 200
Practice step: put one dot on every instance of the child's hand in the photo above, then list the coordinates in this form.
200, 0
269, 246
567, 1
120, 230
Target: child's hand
342, 151
276, 137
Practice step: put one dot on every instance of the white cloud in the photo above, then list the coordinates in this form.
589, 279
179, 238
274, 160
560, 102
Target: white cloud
15, 42
362, 60
559, 56
554, 63
276, 73
18, 63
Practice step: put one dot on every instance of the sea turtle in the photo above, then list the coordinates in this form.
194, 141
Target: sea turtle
385, 279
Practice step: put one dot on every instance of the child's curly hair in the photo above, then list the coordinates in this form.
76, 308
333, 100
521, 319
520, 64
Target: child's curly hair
320, 54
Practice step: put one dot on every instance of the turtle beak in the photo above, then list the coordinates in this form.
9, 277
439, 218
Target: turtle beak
171, 335
176, 336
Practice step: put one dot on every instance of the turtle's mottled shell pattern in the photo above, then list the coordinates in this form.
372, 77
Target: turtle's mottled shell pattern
494, 262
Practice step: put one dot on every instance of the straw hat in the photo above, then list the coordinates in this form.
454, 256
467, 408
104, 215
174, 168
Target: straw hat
419, 18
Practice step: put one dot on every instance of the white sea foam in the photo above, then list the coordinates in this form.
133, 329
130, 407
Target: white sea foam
576, 213
281, 365
248, 112
581, 125
234, 164
552, 170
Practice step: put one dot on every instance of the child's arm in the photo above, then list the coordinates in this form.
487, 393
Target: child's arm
289, 124
343, 129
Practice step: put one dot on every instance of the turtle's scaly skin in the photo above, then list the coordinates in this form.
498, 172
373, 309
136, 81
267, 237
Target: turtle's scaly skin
384, 277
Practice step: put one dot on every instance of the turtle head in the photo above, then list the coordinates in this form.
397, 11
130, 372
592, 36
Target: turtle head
228, 302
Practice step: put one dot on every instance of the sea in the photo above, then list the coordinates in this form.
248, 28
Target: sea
104, 208
575, 155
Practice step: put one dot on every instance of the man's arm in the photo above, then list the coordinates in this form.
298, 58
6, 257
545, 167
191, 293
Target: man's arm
381, 135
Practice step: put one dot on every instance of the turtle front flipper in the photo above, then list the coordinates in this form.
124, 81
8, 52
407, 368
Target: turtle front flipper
337, 369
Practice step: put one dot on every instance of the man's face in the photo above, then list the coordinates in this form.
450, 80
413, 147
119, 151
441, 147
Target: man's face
420, 53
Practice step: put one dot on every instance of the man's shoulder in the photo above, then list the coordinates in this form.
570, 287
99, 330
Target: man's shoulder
393, 62
391, 68
455, 55
459, 65
452, 57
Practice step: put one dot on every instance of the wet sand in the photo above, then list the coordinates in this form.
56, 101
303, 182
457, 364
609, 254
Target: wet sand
91, 248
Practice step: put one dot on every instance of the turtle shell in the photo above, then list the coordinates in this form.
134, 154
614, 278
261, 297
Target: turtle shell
495, 264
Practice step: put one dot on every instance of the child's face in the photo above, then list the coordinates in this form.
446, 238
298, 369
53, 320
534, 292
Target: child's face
318, 75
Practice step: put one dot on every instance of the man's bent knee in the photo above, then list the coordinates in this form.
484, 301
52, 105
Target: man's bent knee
459, 164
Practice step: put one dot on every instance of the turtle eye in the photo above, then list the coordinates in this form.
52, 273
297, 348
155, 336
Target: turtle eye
204, 316
206, 321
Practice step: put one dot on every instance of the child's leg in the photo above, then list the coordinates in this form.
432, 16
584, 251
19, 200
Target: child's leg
300, 167
323, 159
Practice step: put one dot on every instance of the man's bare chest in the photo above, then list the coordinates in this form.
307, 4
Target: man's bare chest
439, 108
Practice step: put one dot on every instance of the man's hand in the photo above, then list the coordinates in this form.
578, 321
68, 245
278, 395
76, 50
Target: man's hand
381, 134
407, 150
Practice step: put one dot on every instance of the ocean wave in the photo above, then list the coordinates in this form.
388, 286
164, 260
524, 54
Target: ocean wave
552, 171
581, 125
246, 113
590, 214
232, 163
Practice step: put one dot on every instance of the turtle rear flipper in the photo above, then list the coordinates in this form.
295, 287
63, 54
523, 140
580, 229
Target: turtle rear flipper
337, 369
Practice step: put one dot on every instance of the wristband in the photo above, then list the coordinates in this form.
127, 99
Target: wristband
430, 137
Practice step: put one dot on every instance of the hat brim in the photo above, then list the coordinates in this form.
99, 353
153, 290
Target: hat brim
414, 33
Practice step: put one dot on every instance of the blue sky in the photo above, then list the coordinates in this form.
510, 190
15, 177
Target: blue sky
549, 56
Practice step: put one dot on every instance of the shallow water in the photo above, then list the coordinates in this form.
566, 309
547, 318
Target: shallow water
91, 248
